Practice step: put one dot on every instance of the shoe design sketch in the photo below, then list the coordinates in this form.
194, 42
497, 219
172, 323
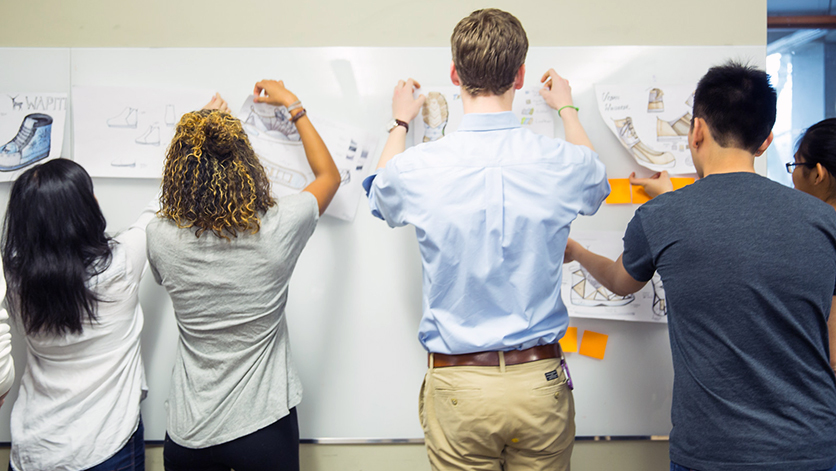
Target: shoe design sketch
435, 115
655, 104
587, 291
644, 155
274, 122
31, 144
126, 119
284, 176
151, 137
170, 117
690, 101
345, 176
127, 162
675, 129
660, 306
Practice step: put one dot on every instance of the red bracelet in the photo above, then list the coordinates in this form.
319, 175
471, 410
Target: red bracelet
298, 116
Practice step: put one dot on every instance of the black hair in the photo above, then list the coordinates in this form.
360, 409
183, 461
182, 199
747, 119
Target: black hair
54, 242
818, 145
738, 103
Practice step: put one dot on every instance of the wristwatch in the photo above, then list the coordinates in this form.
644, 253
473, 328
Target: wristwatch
395, 123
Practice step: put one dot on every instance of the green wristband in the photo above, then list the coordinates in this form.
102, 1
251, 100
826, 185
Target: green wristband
567, 106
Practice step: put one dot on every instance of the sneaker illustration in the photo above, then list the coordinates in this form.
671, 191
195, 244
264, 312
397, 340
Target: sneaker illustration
660, 306
170, 117
284, 176
587, 291
655, 104
345, 176
435, 116
644, 155
31, 144
151, 137
125, 162
675, 129
126, 119
274, 123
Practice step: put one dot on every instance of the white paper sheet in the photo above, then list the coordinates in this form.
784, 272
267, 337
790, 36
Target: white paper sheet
651, 122
442, 113
277, 143
31, 130
124, 132
584, 296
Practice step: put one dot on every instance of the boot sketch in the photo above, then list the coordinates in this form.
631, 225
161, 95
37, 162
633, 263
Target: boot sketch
675, 129
151, 137
654, 101
126, 119
31, 144
435, 115
642, 153
170, 119
587, 291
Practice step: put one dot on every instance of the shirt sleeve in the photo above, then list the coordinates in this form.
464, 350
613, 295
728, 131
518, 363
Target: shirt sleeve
637, 257
134, 241
594, 187
386, 195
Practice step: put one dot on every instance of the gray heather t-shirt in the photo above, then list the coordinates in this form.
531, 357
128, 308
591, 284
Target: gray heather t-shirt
749, 268
233, 373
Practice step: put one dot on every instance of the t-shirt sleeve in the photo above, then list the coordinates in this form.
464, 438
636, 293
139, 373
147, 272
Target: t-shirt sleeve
299, 215
386, 195
133, 240
595, 187
637, 257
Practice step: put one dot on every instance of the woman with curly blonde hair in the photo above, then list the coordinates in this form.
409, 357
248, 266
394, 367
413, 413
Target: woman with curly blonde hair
225, 249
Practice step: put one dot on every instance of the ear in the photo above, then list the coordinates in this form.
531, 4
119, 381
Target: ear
454, 76
696, 136
822, 174
765, 145
519, 80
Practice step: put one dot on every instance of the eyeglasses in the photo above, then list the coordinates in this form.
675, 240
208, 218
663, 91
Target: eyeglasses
791, 165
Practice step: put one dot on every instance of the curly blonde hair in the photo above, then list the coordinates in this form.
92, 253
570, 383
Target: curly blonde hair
213, 180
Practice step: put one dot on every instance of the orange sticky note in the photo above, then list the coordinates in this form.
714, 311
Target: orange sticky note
681, 182
639, 196
593, 344
619, 191
569, 342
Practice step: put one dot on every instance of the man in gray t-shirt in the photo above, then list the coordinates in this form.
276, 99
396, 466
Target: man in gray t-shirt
749, 269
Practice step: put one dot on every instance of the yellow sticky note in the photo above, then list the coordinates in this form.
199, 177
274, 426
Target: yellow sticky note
681, 182
593, 344
639, 195
569, 342
619, 191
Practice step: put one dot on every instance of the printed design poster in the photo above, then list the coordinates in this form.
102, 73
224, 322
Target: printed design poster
651, 122
279, 147
443, 111
584, 296
31, 130
124, 132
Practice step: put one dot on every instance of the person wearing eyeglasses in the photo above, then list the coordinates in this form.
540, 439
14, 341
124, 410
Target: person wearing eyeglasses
814, 168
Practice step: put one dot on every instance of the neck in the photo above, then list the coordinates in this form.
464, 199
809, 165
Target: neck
488, 103
727, 160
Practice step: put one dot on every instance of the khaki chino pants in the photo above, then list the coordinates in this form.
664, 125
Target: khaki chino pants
512, 418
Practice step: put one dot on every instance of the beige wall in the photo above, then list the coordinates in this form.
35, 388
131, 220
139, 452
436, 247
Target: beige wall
223, 23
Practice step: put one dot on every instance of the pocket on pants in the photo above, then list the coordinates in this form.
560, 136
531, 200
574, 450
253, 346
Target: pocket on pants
463, 415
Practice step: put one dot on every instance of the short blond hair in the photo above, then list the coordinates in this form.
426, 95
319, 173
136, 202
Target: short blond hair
489, 47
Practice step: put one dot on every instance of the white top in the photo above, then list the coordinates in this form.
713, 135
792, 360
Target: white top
79, 396
7, 366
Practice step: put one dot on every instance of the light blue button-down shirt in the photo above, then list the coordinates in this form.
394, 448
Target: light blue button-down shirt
491, 204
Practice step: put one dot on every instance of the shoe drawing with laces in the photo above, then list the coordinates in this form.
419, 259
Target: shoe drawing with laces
274, 122
587, 291
655, 104
644, 155
435, 115
675, 129
126, 119
31, 144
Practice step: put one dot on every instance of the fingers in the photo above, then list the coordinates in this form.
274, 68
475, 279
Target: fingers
420, 100
412, 83
547, 75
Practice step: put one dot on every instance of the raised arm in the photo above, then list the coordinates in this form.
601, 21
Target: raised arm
611, 274
558, 94
327, 177
404, 108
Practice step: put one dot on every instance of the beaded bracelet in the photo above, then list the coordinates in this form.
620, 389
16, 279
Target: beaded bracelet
567, 106
298, 116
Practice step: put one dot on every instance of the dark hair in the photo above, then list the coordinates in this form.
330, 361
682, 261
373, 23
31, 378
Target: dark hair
818, 145
54, 242
739, 105
489, 47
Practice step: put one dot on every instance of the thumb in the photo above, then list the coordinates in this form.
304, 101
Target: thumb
420, 100
260, 99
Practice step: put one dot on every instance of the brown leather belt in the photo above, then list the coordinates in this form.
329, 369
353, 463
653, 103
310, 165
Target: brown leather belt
512, 357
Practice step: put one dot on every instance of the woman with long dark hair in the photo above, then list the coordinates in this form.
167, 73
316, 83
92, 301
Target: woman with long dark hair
224, 250
74, 292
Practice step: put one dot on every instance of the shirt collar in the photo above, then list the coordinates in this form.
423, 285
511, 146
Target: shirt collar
488, 121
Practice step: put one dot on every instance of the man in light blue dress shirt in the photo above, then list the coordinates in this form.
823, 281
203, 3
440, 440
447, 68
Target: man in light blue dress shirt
491, 204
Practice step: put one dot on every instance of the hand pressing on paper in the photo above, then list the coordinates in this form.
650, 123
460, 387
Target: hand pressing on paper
556, 90
217, 103
654, 186
274, 93
404, 106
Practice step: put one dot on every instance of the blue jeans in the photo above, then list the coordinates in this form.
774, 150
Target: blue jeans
130, 458
676, 467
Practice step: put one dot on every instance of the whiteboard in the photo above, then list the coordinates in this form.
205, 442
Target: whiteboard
355, 297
